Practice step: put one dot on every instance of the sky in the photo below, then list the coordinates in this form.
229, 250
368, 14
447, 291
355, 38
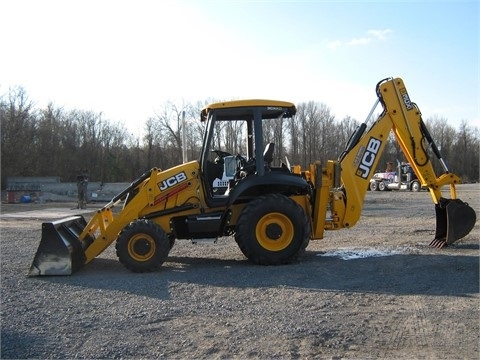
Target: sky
127, 59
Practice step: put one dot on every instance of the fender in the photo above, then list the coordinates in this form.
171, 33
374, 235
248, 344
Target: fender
296, 184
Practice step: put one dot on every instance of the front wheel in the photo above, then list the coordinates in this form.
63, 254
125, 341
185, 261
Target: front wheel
272, 229
142, 246
416, 186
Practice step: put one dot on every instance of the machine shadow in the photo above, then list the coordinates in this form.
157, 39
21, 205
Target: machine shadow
404, 274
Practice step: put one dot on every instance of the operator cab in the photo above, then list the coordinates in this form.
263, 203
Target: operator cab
234, 143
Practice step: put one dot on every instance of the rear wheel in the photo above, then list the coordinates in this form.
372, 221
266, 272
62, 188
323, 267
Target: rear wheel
382, 186
373, 186
272, 230
142, 246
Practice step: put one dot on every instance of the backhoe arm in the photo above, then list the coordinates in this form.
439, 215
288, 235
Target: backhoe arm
413, 138
455, 219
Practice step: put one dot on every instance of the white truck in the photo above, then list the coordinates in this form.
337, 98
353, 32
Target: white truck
403, 178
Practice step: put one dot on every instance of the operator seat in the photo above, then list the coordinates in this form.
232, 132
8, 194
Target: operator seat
249, 168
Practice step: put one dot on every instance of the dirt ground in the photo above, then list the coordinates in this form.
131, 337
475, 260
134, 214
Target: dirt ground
376, 291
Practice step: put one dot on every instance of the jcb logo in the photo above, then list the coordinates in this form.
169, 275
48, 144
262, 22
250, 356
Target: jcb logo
368, 157
171, 181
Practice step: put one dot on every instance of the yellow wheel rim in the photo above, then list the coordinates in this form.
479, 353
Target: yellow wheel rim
274, 231
141, 247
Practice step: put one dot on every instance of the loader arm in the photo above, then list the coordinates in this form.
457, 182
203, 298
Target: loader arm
68, 244
455, 219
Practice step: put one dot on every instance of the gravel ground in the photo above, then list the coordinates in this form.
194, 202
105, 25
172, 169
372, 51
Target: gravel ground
376, 291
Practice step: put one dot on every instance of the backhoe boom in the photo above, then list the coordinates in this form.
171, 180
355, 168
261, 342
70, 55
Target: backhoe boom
401, 116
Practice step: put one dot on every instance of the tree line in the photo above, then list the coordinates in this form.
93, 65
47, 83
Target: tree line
52, 141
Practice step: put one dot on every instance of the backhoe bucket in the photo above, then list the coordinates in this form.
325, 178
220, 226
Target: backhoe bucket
455, 219
60, 252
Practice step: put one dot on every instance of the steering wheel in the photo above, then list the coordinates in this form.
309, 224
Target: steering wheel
221, 153
247, 167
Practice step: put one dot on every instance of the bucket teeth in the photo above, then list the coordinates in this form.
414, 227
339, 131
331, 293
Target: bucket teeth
438, 243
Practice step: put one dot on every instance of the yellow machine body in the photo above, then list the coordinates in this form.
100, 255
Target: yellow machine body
273, 212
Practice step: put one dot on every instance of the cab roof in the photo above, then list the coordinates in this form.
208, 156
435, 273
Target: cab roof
242, 109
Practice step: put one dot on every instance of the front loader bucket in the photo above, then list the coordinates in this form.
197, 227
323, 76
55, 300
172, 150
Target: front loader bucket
455, 219
60, 252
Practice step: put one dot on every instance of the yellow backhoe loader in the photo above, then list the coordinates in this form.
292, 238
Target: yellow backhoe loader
272, 211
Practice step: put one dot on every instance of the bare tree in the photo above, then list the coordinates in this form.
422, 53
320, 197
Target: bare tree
466, 149
168, 125
274, 131
17, 118
56, 142
194, 130
49, 132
